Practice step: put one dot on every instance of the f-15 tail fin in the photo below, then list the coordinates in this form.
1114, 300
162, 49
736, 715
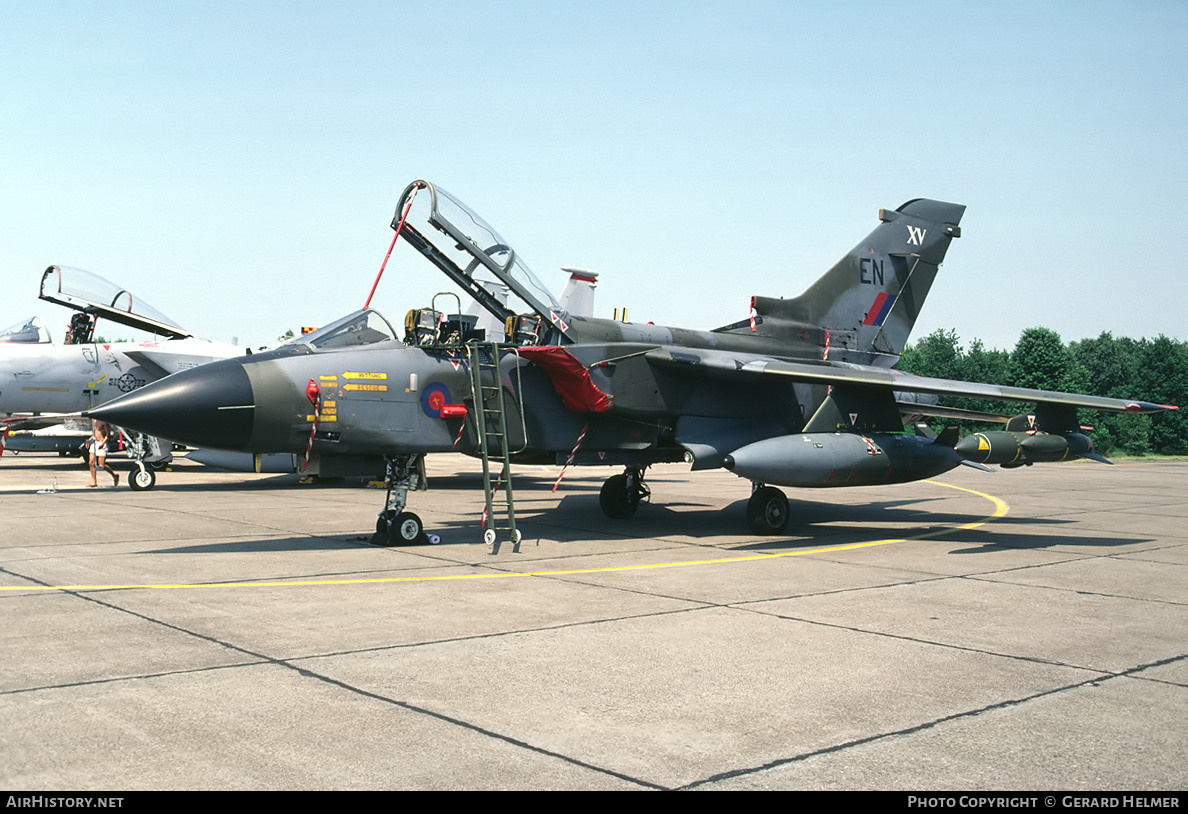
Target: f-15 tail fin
868, 302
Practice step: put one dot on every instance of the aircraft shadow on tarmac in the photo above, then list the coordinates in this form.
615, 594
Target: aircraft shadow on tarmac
577, 517
814, 524
279, 545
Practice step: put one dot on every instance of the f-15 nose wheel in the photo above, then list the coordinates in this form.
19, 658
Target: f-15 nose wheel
767, 511
404, 528
141, 478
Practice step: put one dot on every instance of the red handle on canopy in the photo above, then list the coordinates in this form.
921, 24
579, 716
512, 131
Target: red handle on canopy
384, 264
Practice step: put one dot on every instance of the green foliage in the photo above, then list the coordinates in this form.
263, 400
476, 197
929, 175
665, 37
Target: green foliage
1123, 433
1110, 365
1040, 361
1162, 377
937, 355
989, 366
941, 356
1117, 367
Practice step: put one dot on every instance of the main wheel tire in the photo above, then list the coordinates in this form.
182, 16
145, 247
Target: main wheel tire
767, 511
615, 498
141, 480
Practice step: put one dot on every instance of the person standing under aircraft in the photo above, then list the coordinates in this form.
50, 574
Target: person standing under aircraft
98, 452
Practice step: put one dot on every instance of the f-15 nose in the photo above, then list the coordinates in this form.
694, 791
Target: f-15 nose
207, 406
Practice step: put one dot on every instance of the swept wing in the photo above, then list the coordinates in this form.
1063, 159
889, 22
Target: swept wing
842, 373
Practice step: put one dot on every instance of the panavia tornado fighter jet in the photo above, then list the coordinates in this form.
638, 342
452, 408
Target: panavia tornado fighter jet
799, 394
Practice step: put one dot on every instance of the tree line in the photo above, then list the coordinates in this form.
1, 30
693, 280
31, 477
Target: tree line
1119, 367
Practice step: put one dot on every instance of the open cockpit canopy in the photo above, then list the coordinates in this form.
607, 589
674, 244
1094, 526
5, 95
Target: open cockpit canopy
89, 293
463, 246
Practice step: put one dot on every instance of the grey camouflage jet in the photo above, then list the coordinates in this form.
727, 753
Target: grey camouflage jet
800, 394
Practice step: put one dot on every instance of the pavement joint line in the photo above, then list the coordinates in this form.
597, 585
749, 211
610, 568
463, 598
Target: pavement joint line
929, 642
516, 742
729, 767
265, 660
921, 727
1000, 511
951, 646
1081, 592
294, 660
743, 605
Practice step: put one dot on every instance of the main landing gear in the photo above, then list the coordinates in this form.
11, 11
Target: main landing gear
622, 494
394, 526
767, 510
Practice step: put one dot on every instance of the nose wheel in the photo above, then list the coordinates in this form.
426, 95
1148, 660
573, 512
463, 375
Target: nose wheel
141, 478
398, 528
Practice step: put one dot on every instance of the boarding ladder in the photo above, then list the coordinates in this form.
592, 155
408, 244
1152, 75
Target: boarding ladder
490, 422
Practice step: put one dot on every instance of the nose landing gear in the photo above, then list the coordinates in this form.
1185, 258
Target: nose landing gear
394, 526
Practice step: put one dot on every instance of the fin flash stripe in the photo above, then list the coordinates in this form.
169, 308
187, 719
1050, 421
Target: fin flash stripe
878, 312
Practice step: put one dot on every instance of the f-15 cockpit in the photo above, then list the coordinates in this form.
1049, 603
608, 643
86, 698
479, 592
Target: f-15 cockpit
92, 296
31, 331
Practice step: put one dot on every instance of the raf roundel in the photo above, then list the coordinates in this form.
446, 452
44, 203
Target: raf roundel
434, 397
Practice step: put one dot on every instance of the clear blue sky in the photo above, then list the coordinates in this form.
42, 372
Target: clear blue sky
237, 163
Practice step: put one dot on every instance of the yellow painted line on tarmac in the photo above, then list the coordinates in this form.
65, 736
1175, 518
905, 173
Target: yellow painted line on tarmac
1000, 510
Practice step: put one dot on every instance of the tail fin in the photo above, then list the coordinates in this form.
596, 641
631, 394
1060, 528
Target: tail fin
578, 296
869, 301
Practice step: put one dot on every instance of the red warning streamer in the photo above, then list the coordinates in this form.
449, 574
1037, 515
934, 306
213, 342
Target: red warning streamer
581, 437
314, 394
384, 265
495, 491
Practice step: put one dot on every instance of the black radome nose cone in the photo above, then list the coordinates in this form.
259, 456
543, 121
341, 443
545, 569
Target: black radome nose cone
208, 406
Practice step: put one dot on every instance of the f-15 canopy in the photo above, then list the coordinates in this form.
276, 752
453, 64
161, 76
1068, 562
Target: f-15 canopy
31, 331
89, 293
